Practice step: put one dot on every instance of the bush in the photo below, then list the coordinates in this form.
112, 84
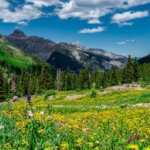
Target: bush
49, 93
93, 94
93, 91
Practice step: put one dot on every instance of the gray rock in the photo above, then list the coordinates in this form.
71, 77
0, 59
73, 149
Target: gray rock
15, 98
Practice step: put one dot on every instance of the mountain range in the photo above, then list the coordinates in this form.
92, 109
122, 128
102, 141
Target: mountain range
65, 55
145, 59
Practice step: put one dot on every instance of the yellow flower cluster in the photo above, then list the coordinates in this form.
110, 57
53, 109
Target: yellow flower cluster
41, 131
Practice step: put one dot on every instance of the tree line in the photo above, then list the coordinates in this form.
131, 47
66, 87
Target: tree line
35, 80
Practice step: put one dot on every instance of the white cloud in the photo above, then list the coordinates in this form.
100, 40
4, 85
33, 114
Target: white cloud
4, 4
20, 15
31, 9
132, 3
84, 10
93, 30
43, 3
94, 9
121, 43
125, 42
126, 17
94, 21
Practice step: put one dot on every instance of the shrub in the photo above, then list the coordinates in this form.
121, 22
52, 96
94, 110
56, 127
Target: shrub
49, 93
93, 94
93, 91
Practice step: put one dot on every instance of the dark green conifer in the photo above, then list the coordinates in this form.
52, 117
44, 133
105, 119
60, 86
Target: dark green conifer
2, 90
114, 76
46, 80
84, 80
128, 76
136, 70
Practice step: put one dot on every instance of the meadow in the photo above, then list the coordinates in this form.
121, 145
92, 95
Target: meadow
113, 120
13, 56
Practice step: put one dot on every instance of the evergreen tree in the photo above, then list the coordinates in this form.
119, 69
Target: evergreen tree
2, 90
84, 80
96, 78
32, 84
68, 80
58, 83
135, 70
46, 80
74, 81
23, 83
63, 81
13, 85
128, 76
114, 76
38, 90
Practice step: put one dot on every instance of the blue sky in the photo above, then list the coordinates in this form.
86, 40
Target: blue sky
120, 26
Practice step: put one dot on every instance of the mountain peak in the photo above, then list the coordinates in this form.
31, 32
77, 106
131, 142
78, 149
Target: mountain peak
18, 34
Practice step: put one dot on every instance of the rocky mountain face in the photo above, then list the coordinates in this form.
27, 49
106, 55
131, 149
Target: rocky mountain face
64, 55
33, 45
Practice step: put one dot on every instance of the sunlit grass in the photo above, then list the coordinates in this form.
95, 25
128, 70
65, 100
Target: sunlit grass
103, 123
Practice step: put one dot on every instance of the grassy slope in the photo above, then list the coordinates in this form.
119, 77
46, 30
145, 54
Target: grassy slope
80, 124
14, 56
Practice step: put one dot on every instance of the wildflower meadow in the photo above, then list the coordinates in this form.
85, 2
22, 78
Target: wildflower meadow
116, 120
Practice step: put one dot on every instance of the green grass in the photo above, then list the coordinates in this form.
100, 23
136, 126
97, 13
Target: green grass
79, 124
13, 56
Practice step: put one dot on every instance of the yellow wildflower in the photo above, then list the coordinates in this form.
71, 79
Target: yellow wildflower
48, 148
142, 140
25, 143
90, 144
64, 146
79, 142
96, 148
41, 131
133, 147
7, 146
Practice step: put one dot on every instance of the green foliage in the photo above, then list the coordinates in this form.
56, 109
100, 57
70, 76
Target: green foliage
145, 96
96, 77
93, 91
84, 79
128, 72
46, 79
81, 121
49, 93
2, 90
135, 70
24, 74
13, 56
114, 76
93, 94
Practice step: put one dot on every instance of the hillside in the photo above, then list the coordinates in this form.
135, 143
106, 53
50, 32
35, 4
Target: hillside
145, 59
64, 55
14, 56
